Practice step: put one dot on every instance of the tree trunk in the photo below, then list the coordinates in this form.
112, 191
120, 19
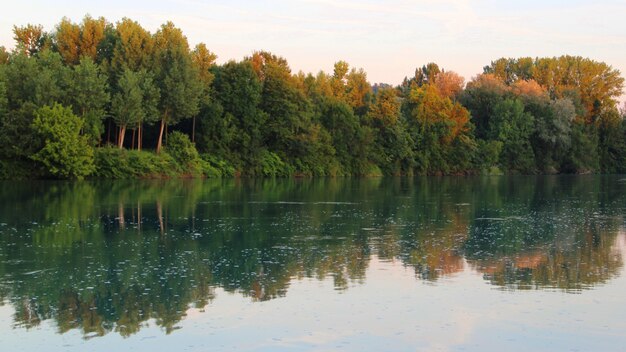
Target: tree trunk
159, 142
139, 137
132, 143
120, 142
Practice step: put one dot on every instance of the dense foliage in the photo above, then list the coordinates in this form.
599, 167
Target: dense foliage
116, 85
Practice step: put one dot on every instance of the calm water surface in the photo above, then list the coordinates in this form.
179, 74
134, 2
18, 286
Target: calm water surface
497, 263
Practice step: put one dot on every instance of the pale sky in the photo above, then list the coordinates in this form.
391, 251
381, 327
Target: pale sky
389, 39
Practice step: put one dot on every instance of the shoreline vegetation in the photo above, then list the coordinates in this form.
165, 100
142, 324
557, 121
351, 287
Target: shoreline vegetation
97, 99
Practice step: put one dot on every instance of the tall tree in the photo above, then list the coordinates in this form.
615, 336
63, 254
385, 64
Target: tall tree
203, 59
126, 105
4, 56
134, 103
134, 47
512, 126
240, 121
176, 76
89, 96
358, 90
30, 39
92, 32
67, 40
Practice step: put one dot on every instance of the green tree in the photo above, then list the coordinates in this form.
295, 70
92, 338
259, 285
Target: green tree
31, 82
480, 97
512, 126
88, 95
135, 103
612, 144
553, 125
392, 144
127, 103
203, 59
238, 92
65, 152
4, 55
176, 76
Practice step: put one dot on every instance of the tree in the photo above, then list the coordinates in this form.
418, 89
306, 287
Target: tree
597, 84
177, 77
512, 126
203, 59
30, 82
133, 48
75, 41
611, 142
67, 40
338, 82
436, 124
236, 122
449, 84
4, 56
427, 74
65, 152
89, 96
480, 97
126, 105
553, 124
358, 90
134, 103
30, 39
393, 144
92, 32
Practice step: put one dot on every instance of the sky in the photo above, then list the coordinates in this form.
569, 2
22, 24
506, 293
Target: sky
388, 39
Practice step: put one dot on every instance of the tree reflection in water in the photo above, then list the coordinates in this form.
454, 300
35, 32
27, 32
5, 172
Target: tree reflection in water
111, 256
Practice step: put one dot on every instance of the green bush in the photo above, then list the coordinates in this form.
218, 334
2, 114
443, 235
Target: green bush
215, 164
180, 147
120, 163
272, 165
65, 152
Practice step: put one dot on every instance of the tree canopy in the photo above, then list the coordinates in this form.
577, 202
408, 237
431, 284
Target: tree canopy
118, 84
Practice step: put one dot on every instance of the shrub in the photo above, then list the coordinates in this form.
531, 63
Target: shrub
120, 163
180, 147
65, 152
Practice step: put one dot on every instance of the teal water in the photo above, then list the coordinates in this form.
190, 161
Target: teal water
485, 263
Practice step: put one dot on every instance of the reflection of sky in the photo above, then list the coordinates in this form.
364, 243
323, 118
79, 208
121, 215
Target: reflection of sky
391, 311
388, 38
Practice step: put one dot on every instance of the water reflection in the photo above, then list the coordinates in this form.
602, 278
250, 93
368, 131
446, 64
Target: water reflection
110, 256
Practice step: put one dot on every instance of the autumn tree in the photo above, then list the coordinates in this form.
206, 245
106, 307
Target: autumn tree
439, 129
30, 39
67, 40
74, 41
449, 84
133, 48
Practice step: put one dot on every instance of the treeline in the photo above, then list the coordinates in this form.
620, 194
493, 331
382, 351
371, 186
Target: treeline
85, 99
